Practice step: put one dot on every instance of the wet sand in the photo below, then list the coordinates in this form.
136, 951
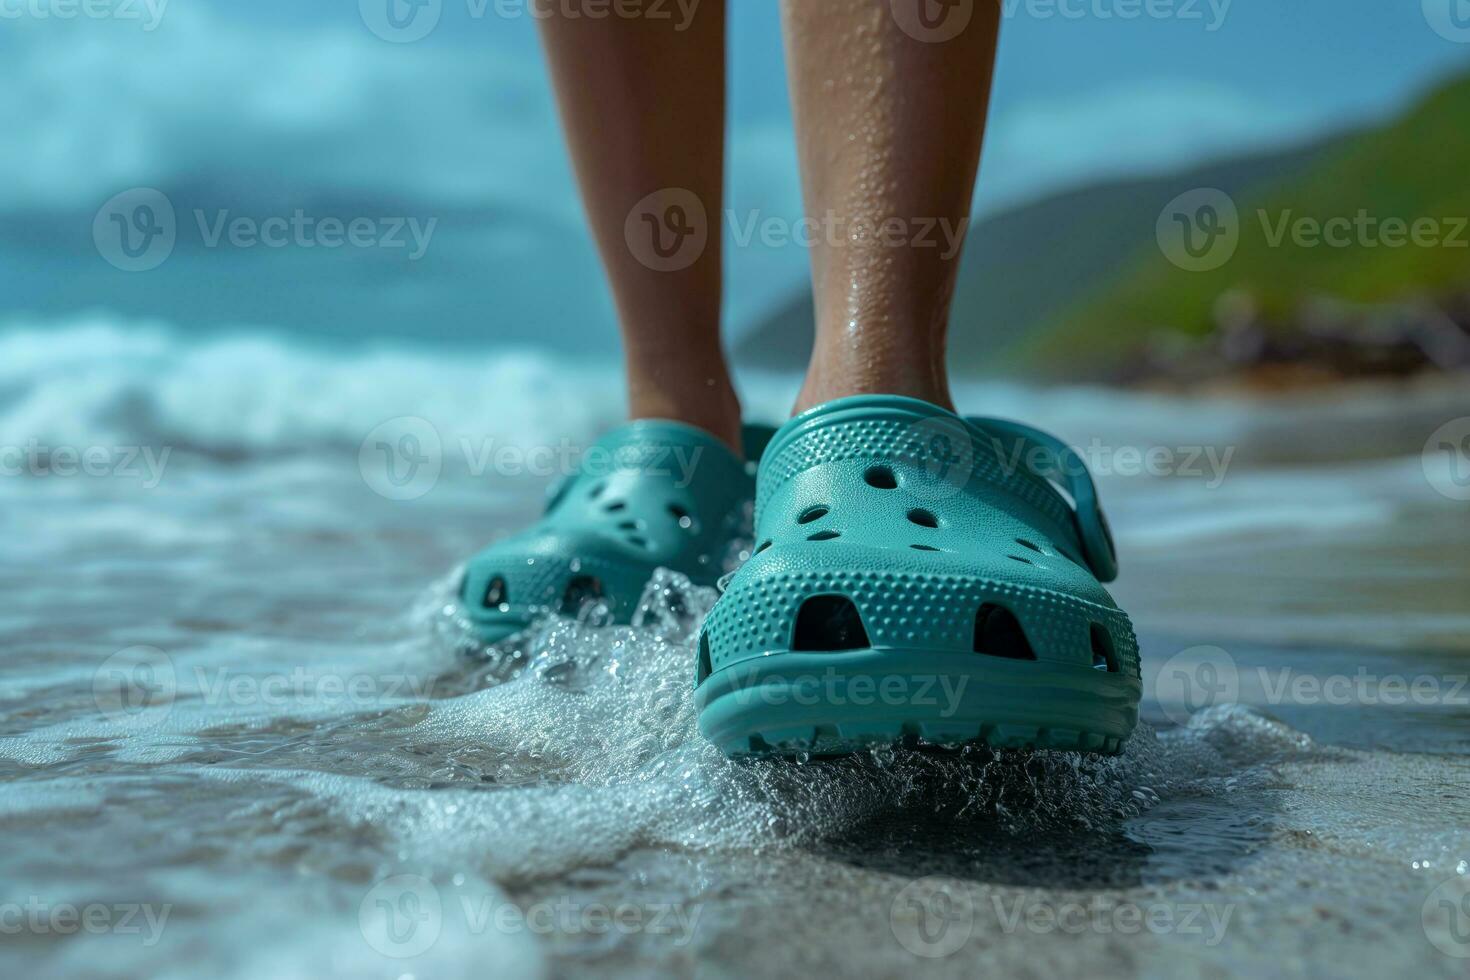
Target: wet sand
237, 703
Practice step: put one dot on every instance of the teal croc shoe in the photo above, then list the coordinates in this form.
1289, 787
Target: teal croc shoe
650, 494
919, 577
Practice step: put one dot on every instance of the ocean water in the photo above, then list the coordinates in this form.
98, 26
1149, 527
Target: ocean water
243, 732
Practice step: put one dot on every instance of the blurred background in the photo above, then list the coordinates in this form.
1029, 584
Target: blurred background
439, 138
1221, 246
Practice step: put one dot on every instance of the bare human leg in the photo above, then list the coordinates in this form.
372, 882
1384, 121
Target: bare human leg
890, 102
643, 102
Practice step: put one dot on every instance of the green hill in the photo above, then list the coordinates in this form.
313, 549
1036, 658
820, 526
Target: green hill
1027, 266
1414, 169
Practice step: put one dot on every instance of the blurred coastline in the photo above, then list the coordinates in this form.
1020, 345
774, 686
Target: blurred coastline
1340, 259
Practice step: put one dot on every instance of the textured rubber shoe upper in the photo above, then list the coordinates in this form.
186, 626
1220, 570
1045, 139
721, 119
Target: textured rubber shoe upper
649, 494
889, 524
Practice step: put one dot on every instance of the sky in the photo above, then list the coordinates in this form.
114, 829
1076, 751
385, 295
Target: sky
255, 108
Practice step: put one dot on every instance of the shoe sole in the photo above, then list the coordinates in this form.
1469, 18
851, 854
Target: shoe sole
837, 703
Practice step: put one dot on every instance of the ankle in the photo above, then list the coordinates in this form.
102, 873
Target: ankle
708, 404
824, 385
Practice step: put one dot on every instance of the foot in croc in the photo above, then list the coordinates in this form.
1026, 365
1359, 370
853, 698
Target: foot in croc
651, 494
919, 576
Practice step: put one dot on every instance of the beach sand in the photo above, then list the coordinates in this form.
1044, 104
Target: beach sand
237, 704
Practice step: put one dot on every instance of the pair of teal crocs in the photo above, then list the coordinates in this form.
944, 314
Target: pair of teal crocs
650, 494
918, 577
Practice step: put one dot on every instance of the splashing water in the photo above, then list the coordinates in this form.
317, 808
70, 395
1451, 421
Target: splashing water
238, 733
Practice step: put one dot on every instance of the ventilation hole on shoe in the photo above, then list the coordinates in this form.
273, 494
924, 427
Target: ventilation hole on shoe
702, 668
615, 506
579, 590
1023, 561
496, 593
998, 634
629, 525
681, 516
1027, 544
596, 490
923, 547
1102, 649
462, 583
923, 518
881, 477
638, 540
825, 535
762, 547
829, 622
812, 514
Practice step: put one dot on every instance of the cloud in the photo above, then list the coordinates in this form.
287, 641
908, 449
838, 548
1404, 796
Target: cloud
236, 101
322, 104
101, 106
